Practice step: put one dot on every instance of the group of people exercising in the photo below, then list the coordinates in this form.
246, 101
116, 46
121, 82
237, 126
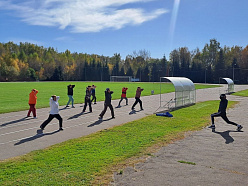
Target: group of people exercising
90, 91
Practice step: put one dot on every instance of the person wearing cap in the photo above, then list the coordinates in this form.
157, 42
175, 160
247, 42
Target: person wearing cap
32, 102
123, 96
222, 113
87, 98
93, 93
70, 95
107, 103
137, 98
54, 112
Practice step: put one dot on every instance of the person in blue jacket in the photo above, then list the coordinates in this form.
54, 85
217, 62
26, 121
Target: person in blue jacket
222, 113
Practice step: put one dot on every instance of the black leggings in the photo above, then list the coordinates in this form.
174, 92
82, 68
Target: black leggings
105, 109
51, 116
223, 115
137, 100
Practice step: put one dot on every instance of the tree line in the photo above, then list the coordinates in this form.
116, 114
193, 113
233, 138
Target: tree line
30, 62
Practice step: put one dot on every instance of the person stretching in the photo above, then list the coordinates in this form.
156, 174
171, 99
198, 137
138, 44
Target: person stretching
107, 103
222, 113
123, 96
137, 98
54, 112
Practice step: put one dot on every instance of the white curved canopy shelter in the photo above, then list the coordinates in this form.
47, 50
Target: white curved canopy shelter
184, 90
230, 87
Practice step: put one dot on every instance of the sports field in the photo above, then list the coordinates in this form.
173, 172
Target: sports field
14, 96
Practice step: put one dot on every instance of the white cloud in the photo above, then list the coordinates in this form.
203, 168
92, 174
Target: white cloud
81, 15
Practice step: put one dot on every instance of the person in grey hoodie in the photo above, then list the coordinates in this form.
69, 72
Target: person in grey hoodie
87, 99
54, 113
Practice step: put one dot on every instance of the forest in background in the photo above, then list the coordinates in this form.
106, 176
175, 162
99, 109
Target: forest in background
30, 62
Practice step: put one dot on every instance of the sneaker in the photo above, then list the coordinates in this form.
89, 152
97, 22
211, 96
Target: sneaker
94, 103
35, 117
100, 117
67, 106
72, 107
113, 117
61, 128
239, 128
141, 109
212, 127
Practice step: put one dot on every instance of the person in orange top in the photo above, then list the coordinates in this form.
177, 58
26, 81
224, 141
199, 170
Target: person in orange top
32, 102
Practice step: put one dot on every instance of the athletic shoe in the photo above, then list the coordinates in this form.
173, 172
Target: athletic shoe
212, 127
94, 103
100, 117
35, 117
72, 107
61, 128
67, 106
113, 117
239, 128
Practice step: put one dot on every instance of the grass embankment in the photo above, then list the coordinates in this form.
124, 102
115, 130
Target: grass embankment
14, 96
90, 160
243, 93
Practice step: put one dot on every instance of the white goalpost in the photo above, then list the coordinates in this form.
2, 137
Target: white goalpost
120, 78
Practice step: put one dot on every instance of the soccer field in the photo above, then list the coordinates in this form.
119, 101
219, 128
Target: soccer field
14, 95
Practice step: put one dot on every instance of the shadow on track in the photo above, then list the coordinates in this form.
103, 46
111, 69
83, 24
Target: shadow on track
16, 121
98, 122
226, 135
39, 134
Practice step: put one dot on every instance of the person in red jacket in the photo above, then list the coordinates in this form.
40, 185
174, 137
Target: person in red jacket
123, 96
32, 102
137, 98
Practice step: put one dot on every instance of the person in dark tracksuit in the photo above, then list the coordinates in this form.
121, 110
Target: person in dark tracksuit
93, 93
107, 103
70, 95
137, 98
222, 113
87, 99
54, 113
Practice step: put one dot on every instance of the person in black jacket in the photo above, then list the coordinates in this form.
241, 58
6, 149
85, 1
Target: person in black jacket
107, 103
87, 99
222, 113
70, 95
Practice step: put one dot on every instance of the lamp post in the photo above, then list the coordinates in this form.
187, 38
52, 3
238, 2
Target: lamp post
233, 71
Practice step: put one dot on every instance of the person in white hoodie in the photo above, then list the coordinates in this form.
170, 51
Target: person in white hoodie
54, 113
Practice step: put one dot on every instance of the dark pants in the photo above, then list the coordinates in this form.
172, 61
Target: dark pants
86, 101
32, 109
105, 109
93, 98
223, 115
137, 100
51, 116
122, 99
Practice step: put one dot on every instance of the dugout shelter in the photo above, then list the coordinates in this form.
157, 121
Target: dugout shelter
185, 93
230, 85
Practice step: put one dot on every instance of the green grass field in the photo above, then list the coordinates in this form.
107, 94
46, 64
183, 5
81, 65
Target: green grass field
14, 96
241, 93
90, 160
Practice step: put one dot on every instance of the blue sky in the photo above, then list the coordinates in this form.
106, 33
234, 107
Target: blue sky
106, 27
